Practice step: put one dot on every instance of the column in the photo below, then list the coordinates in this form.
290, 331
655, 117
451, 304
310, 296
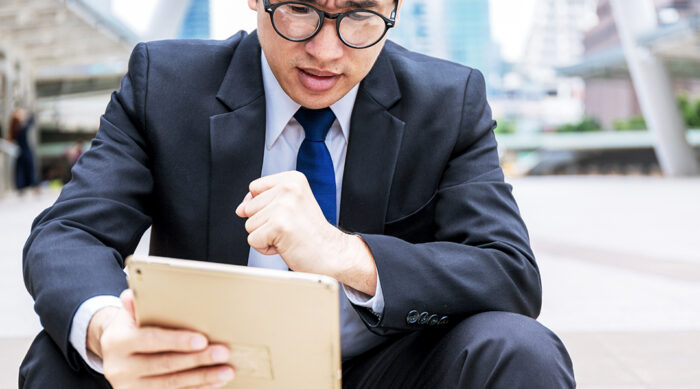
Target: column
654, 88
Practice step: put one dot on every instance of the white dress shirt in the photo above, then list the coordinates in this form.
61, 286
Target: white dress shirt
283, 138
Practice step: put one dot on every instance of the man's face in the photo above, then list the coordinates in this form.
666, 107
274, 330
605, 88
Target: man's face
320, 71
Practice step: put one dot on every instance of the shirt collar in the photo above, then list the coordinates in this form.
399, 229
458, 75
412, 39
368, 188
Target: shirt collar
280, 108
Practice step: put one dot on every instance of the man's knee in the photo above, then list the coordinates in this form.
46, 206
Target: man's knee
44, 366
512, 333
512, 345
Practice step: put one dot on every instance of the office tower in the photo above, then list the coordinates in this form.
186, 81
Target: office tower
556, 37
468, 33
456, 30
196, 23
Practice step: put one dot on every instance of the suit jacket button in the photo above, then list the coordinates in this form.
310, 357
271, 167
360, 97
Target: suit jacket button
412, 317
423, 318
443, 321
433, 320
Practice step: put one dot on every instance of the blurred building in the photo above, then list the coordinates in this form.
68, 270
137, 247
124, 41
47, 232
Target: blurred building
179, 19
196, 23
610, 95
556, 36
456, 30
536, 96
468, 33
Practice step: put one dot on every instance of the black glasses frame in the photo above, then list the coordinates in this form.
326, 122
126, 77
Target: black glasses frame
389, 22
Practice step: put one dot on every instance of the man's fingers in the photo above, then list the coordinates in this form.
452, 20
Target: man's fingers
257, 220
167, 363
240, 210
262, 240
155, 340
263, 184
127, 298
200, 377
260, 202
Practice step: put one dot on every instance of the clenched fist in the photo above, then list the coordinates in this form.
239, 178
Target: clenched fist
284, 218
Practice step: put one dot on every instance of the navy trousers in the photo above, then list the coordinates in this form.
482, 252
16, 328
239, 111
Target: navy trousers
488, 350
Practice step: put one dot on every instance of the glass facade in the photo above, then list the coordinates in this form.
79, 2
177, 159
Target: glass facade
196, 23
469, 33
456, 30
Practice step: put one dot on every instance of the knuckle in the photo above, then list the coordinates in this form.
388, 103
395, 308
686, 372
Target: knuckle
112, 374
172, 381
167, 363
287, 188
111, 342
204, 358
252, 241
280, 228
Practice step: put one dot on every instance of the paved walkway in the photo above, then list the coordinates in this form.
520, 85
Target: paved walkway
620, 262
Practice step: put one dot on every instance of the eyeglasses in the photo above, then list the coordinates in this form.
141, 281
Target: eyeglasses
299, 22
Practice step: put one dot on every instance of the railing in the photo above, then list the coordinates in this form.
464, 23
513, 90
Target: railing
586, 141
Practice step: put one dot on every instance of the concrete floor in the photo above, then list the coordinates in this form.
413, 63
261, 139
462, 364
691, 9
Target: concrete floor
620, 263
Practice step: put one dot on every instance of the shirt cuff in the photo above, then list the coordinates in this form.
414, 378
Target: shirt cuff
79, 327
376, 303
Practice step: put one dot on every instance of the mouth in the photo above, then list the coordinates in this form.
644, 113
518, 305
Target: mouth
318, 80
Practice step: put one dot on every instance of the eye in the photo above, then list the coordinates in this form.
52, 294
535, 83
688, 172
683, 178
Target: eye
299, 9
359, 16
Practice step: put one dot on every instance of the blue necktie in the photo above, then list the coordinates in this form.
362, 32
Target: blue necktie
314, 159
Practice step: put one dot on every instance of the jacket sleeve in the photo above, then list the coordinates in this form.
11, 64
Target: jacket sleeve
479, 258
77, 247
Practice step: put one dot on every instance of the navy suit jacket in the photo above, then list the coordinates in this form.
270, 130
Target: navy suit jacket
184, 136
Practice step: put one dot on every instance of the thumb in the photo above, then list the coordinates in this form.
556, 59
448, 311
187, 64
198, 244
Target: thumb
127, 298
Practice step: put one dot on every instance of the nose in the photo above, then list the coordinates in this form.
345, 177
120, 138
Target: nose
326, 46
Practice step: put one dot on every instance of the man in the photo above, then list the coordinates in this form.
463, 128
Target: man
395, 148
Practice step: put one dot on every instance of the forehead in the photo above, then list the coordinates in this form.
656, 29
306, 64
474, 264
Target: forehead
341, 4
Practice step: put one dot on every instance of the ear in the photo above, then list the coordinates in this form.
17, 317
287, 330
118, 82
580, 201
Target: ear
253, 4
398, 11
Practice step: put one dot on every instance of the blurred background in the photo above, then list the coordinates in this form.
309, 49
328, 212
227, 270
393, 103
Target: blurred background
598, 105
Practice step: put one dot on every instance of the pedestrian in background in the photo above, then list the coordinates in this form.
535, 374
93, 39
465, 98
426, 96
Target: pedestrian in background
25, 172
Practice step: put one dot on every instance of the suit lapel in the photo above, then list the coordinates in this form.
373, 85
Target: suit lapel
373, 149
237, 142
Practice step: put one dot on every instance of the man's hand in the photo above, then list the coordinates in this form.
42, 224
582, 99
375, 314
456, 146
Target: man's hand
284, 218
152, 357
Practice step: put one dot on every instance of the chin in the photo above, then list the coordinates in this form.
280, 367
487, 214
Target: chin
317, 101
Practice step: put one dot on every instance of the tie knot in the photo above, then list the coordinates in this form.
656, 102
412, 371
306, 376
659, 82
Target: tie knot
316, 122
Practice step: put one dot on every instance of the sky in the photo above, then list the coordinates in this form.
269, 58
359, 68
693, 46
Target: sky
510, 20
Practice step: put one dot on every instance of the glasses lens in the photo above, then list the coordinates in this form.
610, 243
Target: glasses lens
362, 28
296, 21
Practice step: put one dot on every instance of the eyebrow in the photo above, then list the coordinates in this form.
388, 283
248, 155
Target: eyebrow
351, 3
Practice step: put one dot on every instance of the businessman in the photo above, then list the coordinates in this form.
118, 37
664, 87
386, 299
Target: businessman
315, 145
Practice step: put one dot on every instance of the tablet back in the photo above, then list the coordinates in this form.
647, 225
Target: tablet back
282, 327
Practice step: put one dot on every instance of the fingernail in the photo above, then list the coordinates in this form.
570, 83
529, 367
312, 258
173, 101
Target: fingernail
226, 375
198, 342
220, 354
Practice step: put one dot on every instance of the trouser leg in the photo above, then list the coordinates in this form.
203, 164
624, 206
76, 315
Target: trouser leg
44, 366
488, 350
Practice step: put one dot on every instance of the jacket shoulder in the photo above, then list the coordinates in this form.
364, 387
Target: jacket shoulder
188, 60
424, 71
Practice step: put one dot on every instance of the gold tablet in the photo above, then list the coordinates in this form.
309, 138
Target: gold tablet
283, 327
